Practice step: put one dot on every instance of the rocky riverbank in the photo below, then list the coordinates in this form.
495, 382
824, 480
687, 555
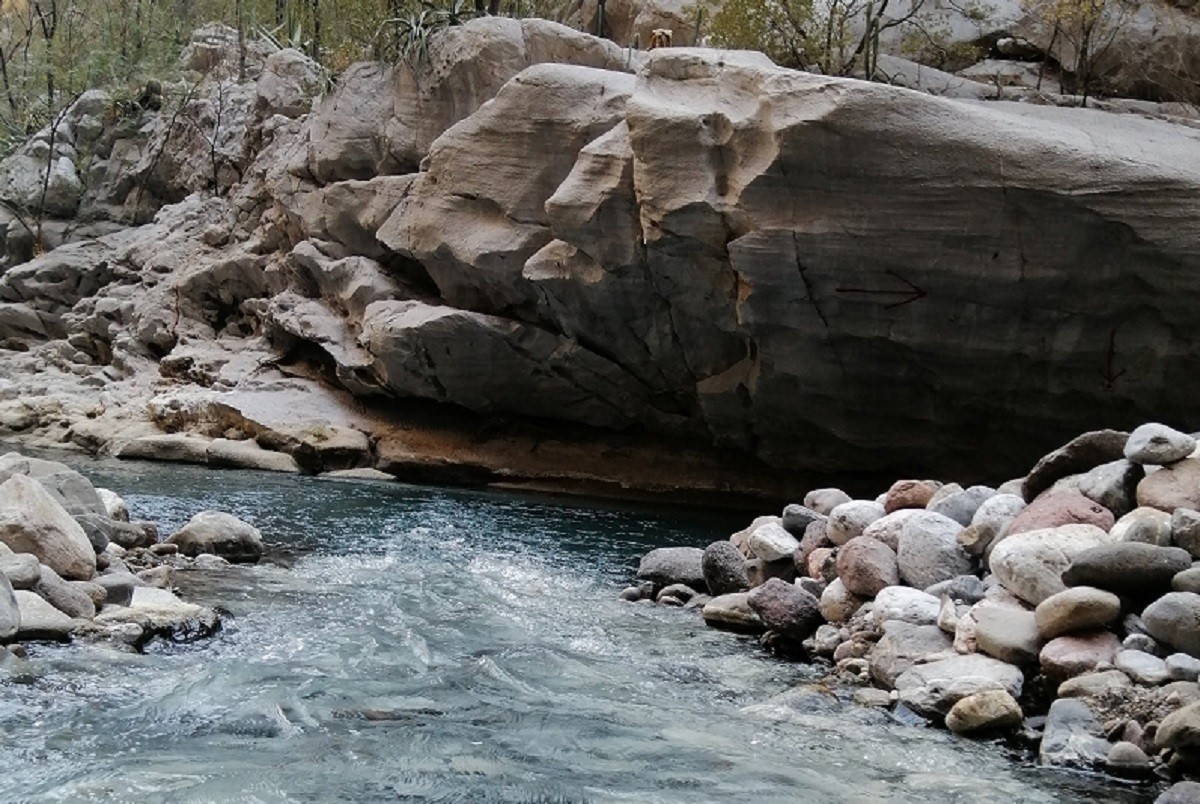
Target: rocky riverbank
1061, 609
74, 566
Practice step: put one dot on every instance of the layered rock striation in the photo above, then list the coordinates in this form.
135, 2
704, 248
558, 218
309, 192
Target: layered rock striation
685, 260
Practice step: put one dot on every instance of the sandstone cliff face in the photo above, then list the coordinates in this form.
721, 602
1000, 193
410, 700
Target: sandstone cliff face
816, 274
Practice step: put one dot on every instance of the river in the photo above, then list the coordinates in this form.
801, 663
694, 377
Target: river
422, 644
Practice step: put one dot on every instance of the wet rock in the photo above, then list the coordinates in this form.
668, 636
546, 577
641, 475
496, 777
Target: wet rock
1030, 564
907, 605
1060, 508
222, 534
1144, 669
1185, 530
797, 518
173, 448
1080, 454
1175, 620
786, 609
902, 646
10, 615
1090, 685
1180, 793
908, 494
1158, 444
823, 501
1067, 656
64, 597
1127, 568
40, 620
962, 506
724, 568
888, 528
1082, 608
771, 542
932, 689
929, 551
732, 612
164, 614
1007, 634
1112, 485
1073, 737
678, 591
31, 521
662, 566
157, 577
985, 712
869, 696
1187, 581
22, 570
849, 520
1181, 667
837, 603
867, 566
1174, 486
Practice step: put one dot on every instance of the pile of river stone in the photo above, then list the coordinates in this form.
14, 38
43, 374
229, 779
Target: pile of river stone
1063, 607
73, 565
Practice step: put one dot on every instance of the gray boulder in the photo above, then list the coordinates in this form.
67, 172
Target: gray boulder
22, 570
1030, 565
1073, 737
217, 533
10, 615
932, 689
1143, 668
118, 587
1127, 568
1180, 793
1187, 581
929, 551
1175, 620
64, 597
901, 647
1146, 525
1112, 485
40, 620
1080, 454
1009, 635
823, 501
771, 542
786, 608
732, 612
32, 521
1185, 530
1180, 729
1158, 444
797, 518
724, 568
1181, 667
961, 506
907, 605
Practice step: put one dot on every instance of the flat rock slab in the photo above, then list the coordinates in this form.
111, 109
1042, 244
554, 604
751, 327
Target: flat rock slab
40, 620
163, 613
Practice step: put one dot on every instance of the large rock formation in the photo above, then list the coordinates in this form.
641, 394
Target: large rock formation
597, 276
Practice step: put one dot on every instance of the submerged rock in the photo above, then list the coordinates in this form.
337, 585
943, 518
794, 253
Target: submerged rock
227, 536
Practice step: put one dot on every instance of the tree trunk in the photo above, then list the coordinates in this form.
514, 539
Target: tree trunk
316, 37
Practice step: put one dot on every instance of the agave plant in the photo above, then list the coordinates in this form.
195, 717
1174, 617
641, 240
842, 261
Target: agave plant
412, 34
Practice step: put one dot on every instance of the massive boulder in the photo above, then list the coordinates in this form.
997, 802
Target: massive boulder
693, 245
